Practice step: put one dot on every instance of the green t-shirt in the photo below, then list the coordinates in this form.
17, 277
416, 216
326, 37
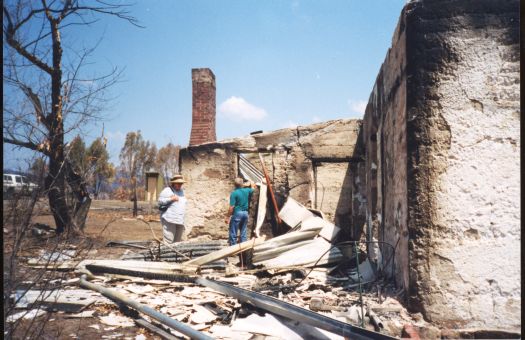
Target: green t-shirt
240, 198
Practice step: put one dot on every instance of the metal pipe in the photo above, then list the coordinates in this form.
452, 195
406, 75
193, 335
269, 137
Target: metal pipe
152, 328
375, 320
359, 282
164, 319
292, 312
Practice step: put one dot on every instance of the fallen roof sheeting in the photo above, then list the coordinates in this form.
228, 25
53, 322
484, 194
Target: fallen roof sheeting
293, 213
292, 312
316, 252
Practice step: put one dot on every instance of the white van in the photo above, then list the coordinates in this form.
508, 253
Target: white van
18, 184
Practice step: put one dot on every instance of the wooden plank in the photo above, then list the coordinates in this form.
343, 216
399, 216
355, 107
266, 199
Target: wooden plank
269, 183
225, 252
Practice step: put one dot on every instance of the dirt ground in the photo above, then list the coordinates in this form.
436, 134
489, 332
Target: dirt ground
115, 223
107, 221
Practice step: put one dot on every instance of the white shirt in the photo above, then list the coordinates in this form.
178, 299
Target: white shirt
176, 210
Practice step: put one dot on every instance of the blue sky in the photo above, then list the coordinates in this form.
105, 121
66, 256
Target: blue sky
277, 64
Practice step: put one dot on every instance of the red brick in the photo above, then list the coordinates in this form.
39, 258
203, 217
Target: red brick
203, 108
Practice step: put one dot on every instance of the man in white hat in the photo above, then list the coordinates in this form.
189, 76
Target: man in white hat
173, 204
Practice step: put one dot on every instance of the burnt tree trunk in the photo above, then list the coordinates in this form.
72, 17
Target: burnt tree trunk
60, 171
80, 201
56, 185
56, 179
135, 206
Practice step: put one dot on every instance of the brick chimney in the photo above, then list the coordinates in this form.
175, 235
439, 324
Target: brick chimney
203, 109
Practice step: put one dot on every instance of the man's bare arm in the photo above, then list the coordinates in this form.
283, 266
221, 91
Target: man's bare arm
229, 214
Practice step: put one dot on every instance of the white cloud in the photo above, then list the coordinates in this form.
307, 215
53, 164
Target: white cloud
237, 108
357, 106
316, 119
116, 136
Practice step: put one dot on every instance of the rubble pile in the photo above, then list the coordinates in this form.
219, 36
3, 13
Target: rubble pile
297, 285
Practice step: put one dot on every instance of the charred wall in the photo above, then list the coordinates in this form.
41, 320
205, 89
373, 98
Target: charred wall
442, 142
384, 133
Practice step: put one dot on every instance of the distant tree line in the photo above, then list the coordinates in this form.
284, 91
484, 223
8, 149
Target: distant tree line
124, 181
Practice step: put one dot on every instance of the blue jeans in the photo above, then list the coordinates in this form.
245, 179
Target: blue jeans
239, 219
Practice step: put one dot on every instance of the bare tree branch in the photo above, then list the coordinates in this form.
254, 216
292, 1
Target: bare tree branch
27, 145
11, 41
47, 99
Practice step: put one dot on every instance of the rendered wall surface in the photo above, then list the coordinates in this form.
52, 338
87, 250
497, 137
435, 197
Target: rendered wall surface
464, 148
333, 192
442, 146
209, 174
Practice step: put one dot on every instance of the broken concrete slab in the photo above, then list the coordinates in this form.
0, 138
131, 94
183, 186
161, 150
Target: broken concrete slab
352, 315
116, 320
139, 289
26, 315
201, 315
72, 300
84, 314
266, 325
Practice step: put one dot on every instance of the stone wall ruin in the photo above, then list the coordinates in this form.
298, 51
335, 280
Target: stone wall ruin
433, 168
312, 164
441, 147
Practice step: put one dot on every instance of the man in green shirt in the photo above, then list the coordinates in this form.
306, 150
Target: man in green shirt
237, 217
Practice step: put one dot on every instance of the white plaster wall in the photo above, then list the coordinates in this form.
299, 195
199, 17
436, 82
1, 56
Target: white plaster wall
475, 264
